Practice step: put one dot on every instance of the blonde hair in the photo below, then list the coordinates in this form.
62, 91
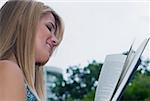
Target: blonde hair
18, 22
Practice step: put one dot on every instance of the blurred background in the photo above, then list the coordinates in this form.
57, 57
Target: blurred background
94, 29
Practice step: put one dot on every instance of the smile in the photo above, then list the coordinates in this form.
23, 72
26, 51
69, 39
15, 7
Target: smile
48, 45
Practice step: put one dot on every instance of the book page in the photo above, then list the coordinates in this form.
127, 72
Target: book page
128, 62
109, 76
131, 69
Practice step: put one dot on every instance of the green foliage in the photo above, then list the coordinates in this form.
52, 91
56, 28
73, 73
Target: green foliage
138, 89
89, 96
80, 81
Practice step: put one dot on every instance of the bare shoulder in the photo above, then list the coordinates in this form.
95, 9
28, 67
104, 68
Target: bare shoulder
9, 68
11, 81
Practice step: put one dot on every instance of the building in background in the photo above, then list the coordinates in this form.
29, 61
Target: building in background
52, 74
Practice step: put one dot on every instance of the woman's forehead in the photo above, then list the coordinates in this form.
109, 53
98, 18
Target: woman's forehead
48, 17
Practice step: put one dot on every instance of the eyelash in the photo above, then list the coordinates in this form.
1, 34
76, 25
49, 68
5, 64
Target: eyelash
49, 28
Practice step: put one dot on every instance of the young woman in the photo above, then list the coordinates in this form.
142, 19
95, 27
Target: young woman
29, 33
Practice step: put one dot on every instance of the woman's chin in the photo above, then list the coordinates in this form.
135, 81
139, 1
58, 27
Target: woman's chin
41, 63
42, 60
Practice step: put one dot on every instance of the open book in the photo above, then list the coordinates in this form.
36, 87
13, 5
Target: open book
116, 72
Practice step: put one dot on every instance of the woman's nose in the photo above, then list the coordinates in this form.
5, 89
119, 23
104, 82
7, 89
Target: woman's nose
54, 40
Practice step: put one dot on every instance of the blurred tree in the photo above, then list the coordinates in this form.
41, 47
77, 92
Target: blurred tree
80, 81
145, 66
138, 89
89, 96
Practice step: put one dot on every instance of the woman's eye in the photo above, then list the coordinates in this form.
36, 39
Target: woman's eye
49, 28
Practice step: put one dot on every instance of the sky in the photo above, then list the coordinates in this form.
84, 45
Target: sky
94, 29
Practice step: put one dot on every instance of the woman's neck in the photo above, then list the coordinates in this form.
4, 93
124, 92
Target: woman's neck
13, 58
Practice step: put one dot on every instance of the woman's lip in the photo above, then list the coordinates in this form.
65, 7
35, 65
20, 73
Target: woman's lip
49, 46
